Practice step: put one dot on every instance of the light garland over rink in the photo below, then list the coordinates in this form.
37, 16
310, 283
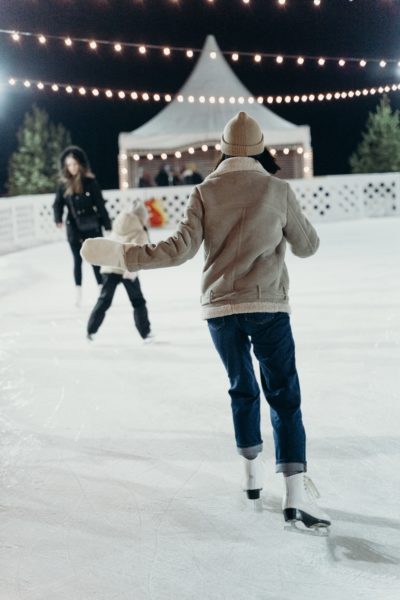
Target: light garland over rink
192, 150
167, 51
123, 94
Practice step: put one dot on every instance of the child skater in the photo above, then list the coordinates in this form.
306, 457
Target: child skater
128, 227
245, 217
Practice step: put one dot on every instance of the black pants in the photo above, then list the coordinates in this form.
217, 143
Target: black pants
140, 315
75, 240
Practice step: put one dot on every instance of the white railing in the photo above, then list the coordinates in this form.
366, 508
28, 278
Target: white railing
28, 220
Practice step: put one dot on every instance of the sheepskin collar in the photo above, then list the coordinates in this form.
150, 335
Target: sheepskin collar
239, 163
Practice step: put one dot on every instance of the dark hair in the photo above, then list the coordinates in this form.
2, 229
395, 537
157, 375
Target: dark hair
265, 159
78, 154
73, 184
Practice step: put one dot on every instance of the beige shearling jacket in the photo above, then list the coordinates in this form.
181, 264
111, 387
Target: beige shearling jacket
245, 217
127, 228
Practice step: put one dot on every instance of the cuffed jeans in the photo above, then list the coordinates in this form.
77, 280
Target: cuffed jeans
271, 337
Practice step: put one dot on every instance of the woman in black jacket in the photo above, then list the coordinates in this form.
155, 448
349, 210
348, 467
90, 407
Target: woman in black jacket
80, 194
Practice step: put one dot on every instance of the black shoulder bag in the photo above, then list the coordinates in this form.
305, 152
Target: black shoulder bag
84, 222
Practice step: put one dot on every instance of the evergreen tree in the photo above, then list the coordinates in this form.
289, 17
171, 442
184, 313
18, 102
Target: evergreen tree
379, 150
33, 168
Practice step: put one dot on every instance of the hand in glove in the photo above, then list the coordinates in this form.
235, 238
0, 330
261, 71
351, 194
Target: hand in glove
104, 253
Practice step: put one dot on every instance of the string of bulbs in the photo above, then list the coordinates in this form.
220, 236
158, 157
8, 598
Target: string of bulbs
167, 51
109, 93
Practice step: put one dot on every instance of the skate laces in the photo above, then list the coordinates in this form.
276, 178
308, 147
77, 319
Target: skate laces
311, 487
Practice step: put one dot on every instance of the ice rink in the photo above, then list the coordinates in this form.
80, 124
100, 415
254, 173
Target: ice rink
119, 474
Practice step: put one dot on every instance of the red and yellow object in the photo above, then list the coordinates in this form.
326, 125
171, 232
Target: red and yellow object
156, 211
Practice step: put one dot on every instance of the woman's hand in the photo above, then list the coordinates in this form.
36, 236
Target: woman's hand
59, 225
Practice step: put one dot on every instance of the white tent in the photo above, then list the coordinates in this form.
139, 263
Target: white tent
187, 122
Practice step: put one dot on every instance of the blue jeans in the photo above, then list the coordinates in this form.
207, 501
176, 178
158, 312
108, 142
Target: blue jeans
270, 334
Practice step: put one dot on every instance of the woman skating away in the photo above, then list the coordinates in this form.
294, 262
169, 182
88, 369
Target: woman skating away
128, 227
245, 217
80, 194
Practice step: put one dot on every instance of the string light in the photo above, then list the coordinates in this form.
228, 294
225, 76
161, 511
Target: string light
157, 97
286, 151
235, 56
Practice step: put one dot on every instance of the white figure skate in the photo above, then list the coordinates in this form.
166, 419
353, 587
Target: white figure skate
78, 296
254, 477
299, 502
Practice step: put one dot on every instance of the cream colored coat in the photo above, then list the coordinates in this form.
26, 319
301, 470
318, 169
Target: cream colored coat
127, 229
245, 218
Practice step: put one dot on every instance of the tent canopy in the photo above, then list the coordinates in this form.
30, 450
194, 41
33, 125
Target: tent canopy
183, 124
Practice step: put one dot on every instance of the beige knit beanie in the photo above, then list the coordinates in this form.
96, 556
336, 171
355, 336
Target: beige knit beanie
242, 137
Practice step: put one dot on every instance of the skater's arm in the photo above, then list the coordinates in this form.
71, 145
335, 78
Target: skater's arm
298, 231
171, 252
175, 250
58, 206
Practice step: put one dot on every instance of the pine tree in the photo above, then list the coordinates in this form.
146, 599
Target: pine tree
379, 150
33, 168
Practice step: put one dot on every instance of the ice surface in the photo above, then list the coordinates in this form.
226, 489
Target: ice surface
119, 476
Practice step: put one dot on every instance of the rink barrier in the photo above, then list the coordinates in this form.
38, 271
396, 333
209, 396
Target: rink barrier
27, 221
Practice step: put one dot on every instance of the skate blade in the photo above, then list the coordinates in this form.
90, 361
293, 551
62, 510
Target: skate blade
299, 528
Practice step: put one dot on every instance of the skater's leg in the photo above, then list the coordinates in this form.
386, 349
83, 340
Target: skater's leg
103, 303
75, 245
96, 269
233, 346
140, 314
273, 344
97, 274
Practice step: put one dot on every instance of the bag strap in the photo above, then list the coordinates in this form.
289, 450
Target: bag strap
72, 208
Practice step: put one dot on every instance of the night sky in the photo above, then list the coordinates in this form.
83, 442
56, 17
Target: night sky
362, 28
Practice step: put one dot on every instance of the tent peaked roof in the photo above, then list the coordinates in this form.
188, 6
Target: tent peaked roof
181, 124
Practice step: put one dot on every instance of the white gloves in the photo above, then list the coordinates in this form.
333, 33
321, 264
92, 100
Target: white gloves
103, 252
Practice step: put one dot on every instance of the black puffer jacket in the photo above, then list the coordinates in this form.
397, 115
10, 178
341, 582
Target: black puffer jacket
90, 202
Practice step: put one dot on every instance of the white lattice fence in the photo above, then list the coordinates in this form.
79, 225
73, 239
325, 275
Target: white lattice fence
28, 220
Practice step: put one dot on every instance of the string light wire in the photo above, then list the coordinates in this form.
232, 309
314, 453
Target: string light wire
167, 50
146, 96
